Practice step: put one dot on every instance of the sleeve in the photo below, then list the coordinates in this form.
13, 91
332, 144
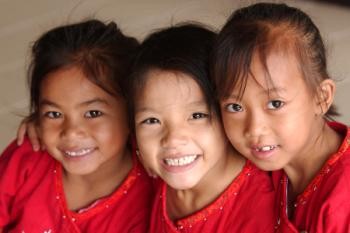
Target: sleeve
16, 163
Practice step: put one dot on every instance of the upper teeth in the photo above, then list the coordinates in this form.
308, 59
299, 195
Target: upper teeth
79, 152
180, 161
265, 148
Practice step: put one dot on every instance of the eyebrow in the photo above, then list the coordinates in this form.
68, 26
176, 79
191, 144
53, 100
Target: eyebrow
265, 91
85, 103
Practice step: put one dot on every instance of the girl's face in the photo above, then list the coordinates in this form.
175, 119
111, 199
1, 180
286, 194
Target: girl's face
273, 125
82, 126
174, 133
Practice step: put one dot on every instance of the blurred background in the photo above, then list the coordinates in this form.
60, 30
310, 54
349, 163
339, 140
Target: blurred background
21, 22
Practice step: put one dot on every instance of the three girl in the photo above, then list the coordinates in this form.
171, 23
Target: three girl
275, 95
276, 98
89, 180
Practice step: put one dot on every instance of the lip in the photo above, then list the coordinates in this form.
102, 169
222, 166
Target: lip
77, 153
177, 164
264, 151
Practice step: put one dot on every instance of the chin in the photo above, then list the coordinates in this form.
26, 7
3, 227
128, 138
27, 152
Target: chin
183, 185
268, 166
80, 172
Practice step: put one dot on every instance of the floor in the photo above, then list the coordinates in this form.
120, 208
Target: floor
21, 22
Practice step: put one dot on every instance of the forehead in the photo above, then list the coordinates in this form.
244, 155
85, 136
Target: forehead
167, 86
70, 86
172, 81
279, 69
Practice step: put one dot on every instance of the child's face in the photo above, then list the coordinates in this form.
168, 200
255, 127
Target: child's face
273, 125
175, 136
82, 126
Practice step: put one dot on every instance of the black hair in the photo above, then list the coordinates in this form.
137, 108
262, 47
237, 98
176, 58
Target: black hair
261, 28
100, 50
181, 48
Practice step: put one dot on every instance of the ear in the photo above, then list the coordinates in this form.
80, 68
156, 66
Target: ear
325, 96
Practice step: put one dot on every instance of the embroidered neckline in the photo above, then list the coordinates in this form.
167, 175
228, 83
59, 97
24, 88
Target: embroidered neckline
332, 160
100, 204
330, 163
217, 204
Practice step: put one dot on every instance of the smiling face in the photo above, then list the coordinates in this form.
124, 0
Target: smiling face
273, 124
176, 137
82, 126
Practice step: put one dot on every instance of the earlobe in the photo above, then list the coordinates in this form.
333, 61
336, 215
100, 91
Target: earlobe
325, 95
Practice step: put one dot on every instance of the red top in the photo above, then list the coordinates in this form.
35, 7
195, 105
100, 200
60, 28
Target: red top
245, 206
324, 206
32, 198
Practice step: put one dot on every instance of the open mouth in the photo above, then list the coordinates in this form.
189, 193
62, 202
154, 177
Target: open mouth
78, 153
180, 161
265, 148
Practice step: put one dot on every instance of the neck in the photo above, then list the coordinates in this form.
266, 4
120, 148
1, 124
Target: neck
302, 170
181, 203
82, 190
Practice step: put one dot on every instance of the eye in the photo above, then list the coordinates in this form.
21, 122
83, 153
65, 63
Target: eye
275, 104
233, 108
150, 121
93, 114
199, 115
52, 115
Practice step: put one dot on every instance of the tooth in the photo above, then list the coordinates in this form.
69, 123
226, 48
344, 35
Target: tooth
180, 161
78, 153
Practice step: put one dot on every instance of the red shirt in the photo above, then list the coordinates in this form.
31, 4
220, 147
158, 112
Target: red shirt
324, 206
245, 206
32, 198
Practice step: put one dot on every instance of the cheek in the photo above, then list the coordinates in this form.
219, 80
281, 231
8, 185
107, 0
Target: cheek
213, 136
111, 132
232, 127
49, 132
148, 136
148, 154
148, 145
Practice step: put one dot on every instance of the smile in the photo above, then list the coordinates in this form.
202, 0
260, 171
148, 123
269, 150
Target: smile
182, 161
264, 148
77, 153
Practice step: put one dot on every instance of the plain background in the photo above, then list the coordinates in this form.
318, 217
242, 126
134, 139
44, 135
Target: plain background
21, 22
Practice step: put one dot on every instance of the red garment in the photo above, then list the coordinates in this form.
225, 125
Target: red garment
246, 206
324, 206
32, 198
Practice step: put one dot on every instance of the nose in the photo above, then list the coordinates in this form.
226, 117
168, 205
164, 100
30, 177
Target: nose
72, 129
255, 125
174, 136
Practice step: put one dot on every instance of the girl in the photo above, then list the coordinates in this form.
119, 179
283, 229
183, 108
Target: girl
207, 186
276, 98
89, 179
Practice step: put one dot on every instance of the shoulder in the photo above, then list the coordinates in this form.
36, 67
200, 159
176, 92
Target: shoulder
22, 159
